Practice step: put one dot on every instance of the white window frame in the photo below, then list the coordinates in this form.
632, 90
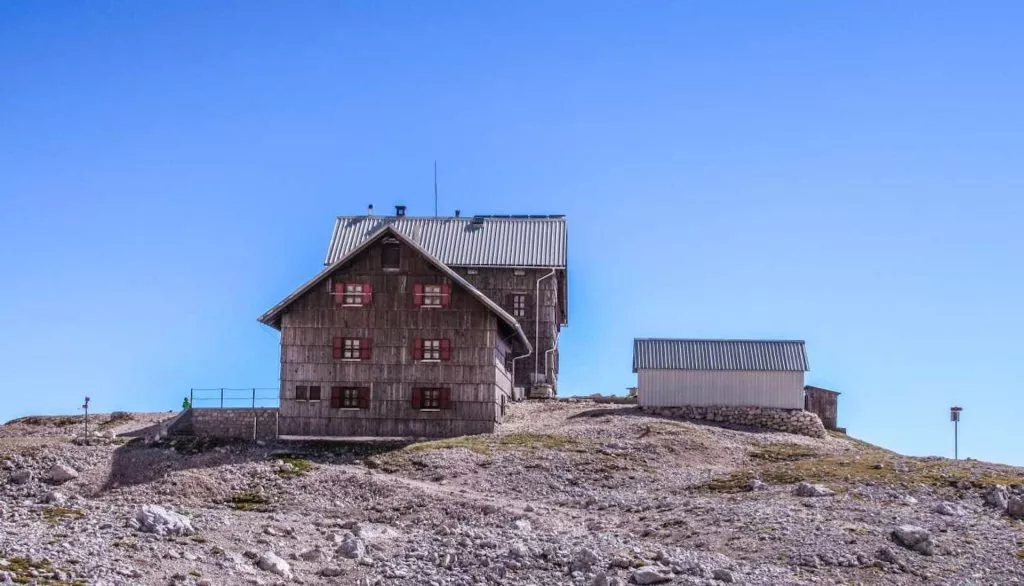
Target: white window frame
433, 296
517, 310
351, 349
353, 295
432, 350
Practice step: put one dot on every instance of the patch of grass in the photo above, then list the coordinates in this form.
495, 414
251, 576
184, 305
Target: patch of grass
535, 440
783, 453
299, 466
868, 466
125, 544
1020, 554
56, 514
250, 501
473, 443
24, 569
59, 421
195, 574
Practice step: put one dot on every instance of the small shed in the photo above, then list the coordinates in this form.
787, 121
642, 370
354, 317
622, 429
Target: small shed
823, 402
735, 373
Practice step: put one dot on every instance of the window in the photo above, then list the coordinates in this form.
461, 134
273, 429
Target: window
307, 393
350, 397
351, 348
431, 398
518, 304
355, 294
391, 254
432, 295
432, 350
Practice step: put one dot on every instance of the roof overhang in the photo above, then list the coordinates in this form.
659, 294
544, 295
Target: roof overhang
272, 317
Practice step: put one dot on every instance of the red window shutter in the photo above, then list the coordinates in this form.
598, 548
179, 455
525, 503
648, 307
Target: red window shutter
417, 398
337, 347
446, 349
417, 349
367, 293
364, 349
446, 295
364, 398
335, 397
417, 294
446, 398
339, 293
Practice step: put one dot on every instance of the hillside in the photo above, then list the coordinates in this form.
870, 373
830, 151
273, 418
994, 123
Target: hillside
565, 494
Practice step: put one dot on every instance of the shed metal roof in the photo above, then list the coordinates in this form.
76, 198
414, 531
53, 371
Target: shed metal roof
519, 241
680, 354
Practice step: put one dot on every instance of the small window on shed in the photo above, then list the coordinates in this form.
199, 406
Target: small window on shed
391, 254
301, 393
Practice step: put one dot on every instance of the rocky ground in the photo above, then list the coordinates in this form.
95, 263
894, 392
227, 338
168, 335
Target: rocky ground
567, 493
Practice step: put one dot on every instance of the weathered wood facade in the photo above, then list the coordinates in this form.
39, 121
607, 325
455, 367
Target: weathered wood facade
823, 402
541, 316
474, 371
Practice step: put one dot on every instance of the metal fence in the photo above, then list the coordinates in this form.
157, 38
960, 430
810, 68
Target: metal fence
225, 397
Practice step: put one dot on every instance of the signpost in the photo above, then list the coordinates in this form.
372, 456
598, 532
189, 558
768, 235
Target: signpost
86, 407
954, 416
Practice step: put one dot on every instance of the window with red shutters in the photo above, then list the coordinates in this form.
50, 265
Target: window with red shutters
353, 294
431, 398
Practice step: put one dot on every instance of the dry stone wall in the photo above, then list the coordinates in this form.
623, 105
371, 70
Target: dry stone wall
243, 423
789, 420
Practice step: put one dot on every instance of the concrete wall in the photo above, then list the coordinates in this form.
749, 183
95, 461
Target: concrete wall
242, 423
676, 388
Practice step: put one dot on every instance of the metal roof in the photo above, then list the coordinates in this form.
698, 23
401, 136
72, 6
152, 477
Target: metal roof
507, 241
677, 354
272, 317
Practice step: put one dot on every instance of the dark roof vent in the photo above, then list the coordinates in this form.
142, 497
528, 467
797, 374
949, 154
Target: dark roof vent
369, 210
458, 213
400, 211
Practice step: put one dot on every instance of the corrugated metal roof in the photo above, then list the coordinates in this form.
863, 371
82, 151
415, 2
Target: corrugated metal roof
521, 241
719, 354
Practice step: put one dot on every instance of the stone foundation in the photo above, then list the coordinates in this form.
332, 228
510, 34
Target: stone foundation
243, 423
789, 420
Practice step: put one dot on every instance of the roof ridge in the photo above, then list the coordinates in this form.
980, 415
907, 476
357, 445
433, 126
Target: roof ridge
788, 340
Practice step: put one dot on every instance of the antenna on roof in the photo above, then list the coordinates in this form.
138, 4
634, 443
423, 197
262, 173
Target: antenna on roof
435, 188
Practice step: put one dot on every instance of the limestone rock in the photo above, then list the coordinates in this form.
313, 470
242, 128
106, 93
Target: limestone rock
352, 548
22, 476
812, 490
723, 576
949, 509
1015, 507
156, 519
61, 473
915, 538
583, 560
650, 575
269, 562
997, 497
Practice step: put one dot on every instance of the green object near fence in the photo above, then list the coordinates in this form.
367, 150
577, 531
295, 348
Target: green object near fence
186, 404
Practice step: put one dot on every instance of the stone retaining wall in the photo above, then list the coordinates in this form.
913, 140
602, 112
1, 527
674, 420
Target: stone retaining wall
230, 423
789, 420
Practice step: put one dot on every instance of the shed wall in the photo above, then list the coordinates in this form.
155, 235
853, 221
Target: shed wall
677, 388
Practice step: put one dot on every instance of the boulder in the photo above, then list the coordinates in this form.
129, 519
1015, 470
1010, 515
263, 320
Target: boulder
914, 538
1015, 507
315, 554
270, 562
756, 485
583, 560
949, 509
61, 473
812, 490
156, 519
352, 548
22, 476
997, 497
723, 576
650, 575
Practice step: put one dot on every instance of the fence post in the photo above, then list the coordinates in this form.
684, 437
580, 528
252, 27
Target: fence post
222, 397
191, 398
254, 397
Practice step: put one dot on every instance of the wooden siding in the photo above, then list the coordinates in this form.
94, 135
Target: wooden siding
677, 388
825, 404
392, 322
499, 284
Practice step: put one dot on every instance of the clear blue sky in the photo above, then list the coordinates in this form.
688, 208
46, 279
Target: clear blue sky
848, 173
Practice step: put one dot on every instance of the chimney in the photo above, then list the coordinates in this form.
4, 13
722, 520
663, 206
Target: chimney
400, 211
458, 213
369, 210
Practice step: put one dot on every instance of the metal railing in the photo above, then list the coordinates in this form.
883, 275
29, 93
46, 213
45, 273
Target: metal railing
224, 397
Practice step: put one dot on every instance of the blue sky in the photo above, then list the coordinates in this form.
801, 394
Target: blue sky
848, 173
